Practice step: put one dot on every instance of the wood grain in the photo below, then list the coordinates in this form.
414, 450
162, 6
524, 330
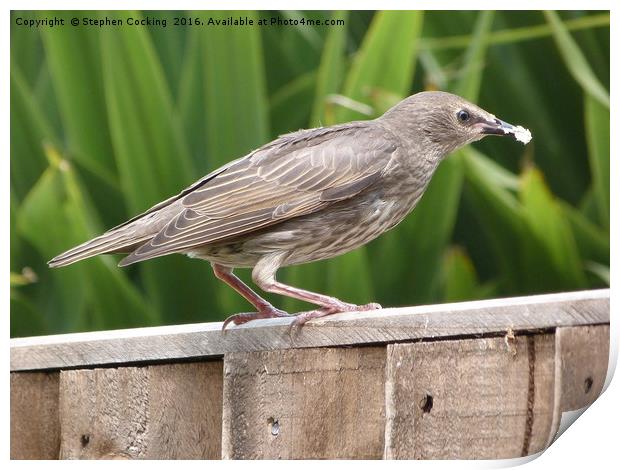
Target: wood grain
35, 429
583, 355
144, 345
154, 412
482, 398
313, 403
484, 379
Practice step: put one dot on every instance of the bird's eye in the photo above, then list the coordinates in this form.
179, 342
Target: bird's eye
463, 115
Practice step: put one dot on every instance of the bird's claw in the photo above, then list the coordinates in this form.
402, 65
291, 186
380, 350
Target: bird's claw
303, 317
241, 318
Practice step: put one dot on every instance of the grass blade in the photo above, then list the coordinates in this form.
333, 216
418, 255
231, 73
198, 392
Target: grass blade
515, 35
74, 64
469, 86
331, 70
592, 241
499, 214
379, 65
29, 130
289, 105
235, 90
26, 318
56, 215
460, 281
598, 138
575, 61
190, 102
551, 230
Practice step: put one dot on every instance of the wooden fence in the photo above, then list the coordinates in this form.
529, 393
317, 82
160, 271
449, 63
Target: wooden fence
485, 379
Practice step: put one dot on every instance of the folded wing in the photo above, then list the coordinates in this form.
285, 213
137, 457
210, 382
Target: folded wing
298, 174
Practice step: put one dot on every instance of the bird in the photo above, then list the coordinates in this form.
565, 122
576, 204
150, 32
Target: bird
308, 195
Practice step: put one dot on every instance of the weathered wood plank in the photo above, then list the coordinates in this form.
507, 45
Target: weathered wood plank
581, 361
404, 324
482, 398
35, 429
582, 355
168, 411
313, 403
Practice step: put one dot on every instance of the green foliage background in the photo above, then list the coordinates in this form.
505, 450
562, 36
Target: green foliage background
106, 122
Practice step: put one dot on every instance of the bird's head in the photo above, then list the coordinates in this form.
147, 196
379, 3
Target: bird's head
442, 122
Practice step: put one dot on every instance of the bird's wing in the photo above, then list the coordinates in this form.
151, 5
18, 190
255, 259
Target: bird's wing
160, 205
295, 175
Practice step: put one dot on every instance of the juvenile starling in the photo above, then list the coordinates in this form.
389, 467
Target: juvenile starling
306, 196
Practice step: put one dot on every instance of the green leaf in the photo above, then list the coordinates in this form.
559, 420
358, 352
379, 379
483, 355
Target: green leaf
168, 41
235, 91
291, 50
493, 179
600, 271
74, 63
57, 215
493, 171
190, 101
29, 130
288, 106
15, 243
575, 61
380, 65
309, 34
499, 214
151, 156
460, 281
598, 139
592, 241
41, 222
469, 86
26, 318
331, 71
515, 35
26, 50
459, 276
548, 225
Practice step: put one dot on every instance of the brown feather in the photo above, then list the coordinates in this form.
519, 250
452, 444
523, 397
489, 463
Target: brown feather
290, 177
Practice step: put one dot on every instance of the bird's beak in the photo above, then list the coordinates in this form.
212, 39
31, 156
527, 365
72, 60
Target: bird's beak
496, 127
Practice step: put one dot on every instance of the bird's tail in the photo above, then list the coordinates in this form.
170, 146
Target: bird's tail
115, 241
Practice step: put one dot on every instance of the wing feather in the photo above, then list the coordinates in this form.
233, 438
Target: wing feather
295, 175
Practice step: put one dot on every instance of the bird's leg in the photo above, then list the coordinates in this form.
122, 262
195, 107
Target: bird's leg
264, 308
264, 276
328, 305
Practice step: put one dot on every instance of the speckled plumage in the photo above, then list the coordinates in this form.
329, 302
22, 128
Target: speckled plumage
309, 195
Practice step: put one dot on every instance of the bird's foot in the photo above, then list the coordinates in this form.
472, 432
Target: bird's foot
267, 312
340, 307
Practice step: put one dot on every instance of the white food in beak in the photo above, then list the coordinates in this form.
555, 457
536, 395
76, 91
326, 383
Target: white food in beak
521, 134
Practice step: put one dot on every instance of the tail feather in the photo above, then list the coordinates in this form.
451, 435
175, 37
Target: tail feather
110, 242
